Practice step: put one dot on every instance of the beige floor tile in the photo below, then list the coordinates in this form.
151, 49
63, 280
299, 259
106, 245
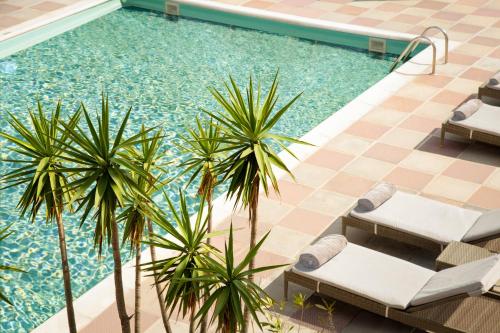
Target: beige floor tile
418, 91
328, 203
403, 137
286, 242
386, 117
369, 168
435, 110
493, 180
426, 162
311, 175
270, 211
290, 192
464, 86
451, 188
349, 144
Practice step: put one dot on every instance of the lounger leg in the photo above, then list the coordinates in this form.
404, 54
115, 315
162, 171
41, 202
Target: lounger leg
344, 228
285, 286
443, 132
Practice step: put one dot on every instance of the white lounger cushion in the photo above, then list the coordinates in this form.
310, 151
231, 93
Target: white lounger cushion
474, 278
486, 119
486, 225
424, 217
371, 274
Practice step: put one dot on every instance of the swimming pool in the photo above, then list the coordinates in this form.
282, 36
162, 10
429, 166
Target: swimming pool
161, 68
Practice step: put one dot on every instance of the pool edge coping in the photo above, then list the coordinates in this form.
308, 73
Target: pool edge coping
88, 306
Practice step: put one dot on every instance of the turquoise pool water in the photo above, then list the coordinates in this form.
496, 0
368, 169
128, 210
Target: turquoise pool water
161, 68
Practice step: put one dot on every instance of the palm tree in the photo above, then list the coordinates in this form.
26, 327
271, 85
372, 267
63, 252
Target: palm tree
42, 145
4, 234
230, 288
103, 179
246, 125
204, 147
135, 216
187, 242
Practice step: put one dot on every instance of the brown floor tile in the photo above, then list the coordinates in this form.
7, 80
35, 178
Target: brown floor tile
477, 74
387, 153
329, 159
369, 22
469, 171
400, 103
306, 221
406, 18
48, 6
449, 97
351, 10
6, 8
451, 148
422, 124
367, 130
8, 21
391, 7
430, 4
258, 4
462, 59
291, 193
450, 16
468, 28
486, 41
407, 178
487, 12
438, 81
348, 184
486, 197
495, 54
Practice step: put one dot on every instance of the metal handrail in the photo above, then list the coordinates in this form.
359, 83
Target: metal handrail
445, 34
411, 46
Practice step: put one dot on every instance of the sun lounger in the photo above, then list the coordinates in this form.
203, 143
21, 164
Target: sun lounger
491, 88
483, 125
451, 300
426, 223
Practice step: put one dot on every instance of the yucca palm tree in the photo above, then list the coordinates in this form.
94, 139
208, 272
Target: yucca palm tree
205, 155
4, 234
102, 181
187, 242
41, 145
135, 218
231, 288
246, 123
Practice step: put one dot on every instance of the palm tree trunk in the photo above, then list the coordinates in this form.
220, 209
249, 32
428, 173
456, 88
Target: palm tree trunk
254, 203
191, 320
161, 301
68, 294
137, 310
120, 297
204, 320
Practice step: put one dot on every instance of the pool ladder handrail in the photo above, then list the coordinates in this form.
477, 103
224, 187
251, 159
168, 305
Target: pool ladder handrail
416, 41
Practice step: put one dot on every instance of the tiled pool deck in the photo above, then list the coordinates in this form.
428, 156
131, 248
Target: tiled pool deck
396, 141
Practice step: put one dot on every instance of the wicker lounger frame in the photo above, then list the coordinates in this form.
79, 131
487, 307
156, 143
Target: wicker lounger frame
469, 134
455, 314
485, 91
491, 243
